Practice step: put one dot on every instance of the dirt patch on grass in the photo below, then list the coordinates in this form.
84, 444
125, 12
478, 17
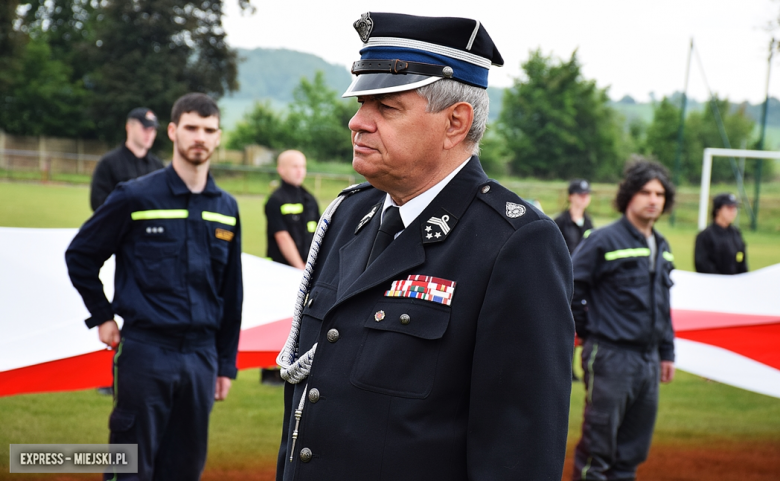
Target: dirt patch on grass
746, 461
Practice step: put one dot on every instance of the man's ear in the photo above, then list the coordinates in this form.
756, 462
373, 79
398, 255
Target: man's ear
459, 119
172, 131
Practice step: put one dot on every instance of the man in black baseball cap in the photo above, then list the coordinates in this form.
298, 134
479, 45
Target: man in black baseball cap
574, 222
432, 335
720, 248
129, 161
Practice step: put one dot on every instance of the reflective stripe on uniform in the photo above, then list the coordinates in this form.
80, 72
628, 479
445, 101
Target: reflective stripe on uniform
311, 225
292, 209
222, 219
587, 233
160, 214
668, 256
624, 253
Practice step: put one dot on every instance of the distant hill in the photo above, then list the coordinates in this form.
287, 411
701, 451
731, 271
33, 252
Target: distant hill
266, 74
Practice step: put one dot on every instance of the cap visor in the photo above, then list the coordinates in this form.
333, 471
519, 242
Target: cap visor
385, 83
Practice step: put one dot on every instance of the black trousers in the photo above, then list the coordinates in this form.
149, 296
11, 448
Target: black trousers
162, 401
620, 410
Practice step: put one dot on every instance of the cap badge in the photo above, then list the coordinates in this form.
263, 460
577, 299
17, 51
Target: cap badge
513, 210
364, 26
150, 115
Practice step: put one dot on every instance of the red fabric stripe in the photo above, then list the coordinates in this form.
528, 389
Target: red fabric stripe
70, 374
685, 320
760, 343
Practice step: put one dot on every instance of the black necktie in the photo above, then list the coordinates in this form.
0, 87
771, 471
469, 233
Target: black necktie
391, 225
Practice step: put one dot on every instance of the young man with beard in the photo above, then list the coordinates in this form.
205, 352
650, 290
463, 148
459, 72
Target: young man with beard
622, 312
178, 288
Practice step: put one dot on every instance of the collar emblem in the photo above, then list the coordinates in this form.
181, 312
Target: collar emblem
366, 218
436, 229
514, 211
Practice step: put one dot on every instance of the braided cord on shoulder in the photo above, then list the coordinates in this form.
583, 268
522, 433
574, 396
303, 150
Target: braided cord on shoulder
296, 368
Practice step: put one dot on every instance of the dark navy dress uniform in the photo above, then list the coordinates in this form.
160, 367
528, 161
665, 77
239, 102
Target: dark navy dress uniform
720, 250
622, 311
178, 287
295, 210
405, 388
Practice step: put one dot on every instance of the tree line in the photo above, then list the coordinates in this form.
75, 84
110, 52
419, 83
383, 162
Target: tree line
75, 68
554, 124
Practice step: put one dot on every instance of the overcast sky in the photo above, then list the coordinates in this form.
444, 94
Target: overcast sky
634, 47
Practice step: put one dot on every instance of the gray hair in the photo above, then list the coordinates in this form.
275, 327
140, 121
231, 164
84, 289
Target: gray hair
445, 93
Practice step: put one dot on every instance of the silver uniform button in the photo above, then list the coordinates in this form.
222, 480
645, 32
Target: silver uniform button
405, 319
486, 189
310, 302
314, 395
306, 455
333, 335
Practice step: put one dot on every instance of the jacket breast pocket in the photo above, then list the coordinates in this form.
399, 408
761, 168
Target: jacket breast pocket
400, 348
157, 266
220, 250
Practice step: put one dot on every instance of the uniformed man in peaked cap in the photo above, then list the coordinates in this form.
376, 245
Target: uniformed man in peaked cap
432, 333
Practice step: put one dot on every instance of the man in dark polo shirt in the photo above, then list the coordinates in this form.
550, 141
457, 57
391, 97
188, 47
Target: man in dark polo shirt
292, 213
130, 160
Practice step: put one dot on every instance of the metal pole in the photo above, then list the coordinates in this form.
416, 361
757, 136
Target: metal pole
681, 129
704, 195
760, 162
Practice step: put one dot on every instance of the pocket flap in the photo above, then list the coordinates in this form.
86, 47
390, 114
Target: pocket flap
121, 420
156, 251
422, 319
321, 298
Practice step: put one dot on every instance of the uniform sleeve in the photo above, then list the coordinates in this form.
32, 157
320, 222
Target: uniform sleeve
273, 213
666, 346
521, 374
102, 184
584, 264
701, 254
97, 240
233, 298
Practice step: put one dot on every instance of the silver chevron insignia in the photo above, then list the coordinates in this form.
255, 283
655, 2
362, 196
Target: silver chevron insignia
442, 223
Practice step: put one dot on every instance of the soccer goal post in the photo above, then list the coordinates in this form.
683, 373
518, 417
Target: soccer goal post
706, 173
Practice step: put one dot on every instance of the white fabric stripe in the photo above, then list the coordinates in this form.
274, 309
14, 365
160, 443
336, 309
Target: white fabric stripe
726, 366
429, 47
473, 36
388, 90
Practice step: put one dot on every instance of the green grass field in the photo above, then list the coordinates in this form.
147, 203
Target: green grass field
696, 415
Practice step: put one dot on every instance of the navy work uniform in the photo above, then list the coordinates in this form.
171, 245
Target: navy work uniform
621, 309
720, 250
179, 289
295, 210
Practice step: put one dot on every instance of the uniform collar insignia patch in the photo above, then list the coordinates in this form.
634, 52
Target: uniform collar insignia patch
366, 218
514, 211
436, 229
364, 25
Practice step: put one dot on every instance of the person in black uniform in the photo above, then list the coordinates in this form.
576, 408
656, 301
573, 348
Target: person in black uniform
178, 287
574, 222
292, 212
432, 333
622, 311
129, 161
720, 248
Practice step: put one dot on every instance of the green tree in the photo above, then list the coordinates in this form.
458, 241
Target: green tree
41, 99
701, 131
262, 126
558, 124
320, 119
316, 123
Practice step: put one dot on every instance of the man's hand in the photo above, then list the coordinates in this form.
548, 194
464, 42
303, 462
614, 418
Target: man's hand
223, 386
108, 333
667, 371
287, 246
